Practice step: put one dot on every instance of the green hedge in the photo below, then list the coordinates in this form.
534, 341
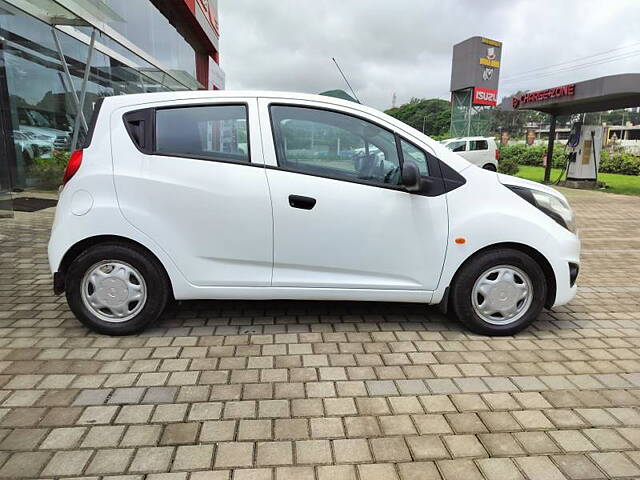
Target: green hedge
616, 162
508, 166
619, 162
48, 171
532, 154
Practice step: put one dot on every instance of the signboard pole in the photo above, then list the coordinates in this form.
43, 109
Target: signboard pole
469, 110
552, 139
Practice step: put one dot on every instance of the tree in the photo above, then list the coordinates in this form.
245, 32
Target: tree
431, 116
514, 121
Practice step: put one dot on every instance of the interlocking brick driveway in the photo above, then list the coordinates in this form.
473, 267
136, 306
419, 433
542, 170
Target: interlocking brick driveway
293, 390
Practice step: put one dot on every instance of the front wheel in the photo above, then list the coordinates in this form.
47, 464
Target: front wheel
116, 289
499, 292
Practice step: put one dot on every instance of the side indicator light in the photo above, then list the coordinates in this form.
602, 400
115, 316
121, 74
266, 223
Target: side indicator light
460, 240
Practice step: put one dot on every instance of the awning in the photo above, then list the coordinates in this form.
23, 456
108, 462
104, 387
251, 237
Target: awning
596, 95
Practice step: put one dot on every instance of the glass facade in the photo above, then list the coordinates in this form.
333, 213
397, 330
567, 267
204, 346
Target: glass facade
39, 94
151, 31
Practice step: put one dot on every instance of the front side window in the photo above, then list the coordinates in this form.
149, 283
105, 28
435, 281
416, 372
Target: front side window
412, 153
215, 132
478, 145
459, 146
335, 145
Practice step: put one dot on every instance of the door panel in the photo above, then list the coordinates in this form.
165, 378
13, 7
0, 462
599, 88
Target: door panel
355, 234
212, 217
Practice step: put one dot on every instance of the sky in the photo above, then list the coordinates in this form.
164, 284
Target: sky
405, 46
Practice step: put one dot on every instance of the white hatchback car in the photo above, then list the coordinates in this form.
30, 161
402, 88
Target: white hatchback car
241, 195
481, 151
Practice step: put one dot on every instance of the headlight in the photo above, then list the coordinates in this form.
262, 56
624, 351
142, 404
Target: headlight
553, 206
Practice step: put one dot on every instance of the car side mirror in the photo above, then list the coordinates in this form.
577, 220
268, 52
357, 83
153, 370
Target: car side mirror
411, 178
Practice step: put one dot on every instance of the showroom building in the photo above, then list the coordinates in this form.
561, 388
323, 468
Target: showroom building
58, 57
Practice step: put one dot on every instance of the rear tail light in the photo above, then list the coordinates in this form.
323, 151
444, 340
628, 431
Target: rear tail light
72, 166
497, 154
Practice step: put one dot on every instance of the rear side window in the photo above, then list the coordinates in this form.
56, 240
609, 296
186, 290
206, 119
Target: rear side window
478, 145
212, 132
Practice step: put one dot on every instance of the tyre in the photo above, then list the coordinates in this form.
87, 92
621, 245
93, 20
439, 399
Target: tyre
499, 292
116, 288
490, 166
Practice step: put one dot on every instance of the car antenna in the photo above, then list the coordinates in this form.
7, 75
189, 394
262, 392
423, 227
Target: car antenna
345, 79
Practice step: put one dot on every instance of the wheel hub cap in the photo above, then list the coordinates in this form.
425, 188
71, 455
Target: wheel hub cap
501, 295
114, 291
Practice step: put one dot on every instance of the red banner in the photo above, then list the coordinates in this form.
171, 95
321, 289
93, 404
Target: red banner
485, 96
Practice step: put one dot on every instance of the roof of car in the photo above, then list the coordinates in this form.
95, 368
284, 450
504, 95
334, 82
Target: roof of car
136, 98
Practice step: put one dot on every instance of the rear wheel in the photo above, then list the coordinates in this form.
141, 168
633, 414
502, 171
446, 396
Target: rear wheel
116, 289
499, 292
490, 166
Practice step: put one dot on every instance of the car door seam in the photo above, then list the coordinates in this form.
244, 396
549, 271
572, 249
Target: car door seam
266, 176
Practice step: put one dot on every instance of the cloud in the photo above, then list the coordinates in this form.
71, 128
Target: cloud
404, 46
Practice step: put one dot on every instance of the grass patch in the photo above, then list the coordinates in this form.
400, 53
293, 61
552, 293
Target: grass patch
616, 183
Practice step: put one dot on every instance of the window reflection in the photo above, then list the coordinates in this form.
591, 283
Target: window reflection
146, 27
42, 109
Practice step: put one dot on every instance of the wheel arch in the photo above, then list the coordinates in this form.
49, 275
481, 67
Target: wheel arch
72, 253
538, 257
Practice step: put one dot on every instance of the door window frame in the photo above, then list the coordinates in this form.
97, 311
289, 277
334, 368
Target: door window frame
433, 163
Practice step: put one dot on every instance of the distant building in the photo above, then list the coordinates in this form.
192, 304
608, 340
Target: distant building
134, 46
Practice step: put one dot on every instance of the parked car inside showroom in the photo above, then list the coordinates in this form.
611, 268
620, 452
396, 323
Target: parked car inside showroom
253, 195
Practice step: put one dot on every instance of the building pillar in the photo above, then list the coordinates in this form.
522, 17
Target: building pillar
202, 69
552, 139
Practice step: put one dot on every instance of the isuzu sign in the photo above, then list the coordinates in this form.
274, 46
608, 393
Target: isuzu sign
485, 96
541, 95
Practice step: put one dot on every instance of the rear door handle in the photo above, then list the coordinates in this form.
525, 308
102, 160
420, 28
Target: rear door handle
299, 201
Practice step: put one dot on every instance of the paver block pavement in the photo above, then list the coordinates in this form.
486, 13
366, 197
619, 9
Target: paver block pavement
317, 390
234, 454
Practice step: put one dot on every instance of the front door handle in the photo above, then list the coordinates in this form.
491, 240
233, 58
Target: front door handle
299, 201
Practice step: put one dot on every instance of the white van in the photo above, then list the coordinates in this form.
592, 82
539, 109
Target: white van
481, 151
265, 195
